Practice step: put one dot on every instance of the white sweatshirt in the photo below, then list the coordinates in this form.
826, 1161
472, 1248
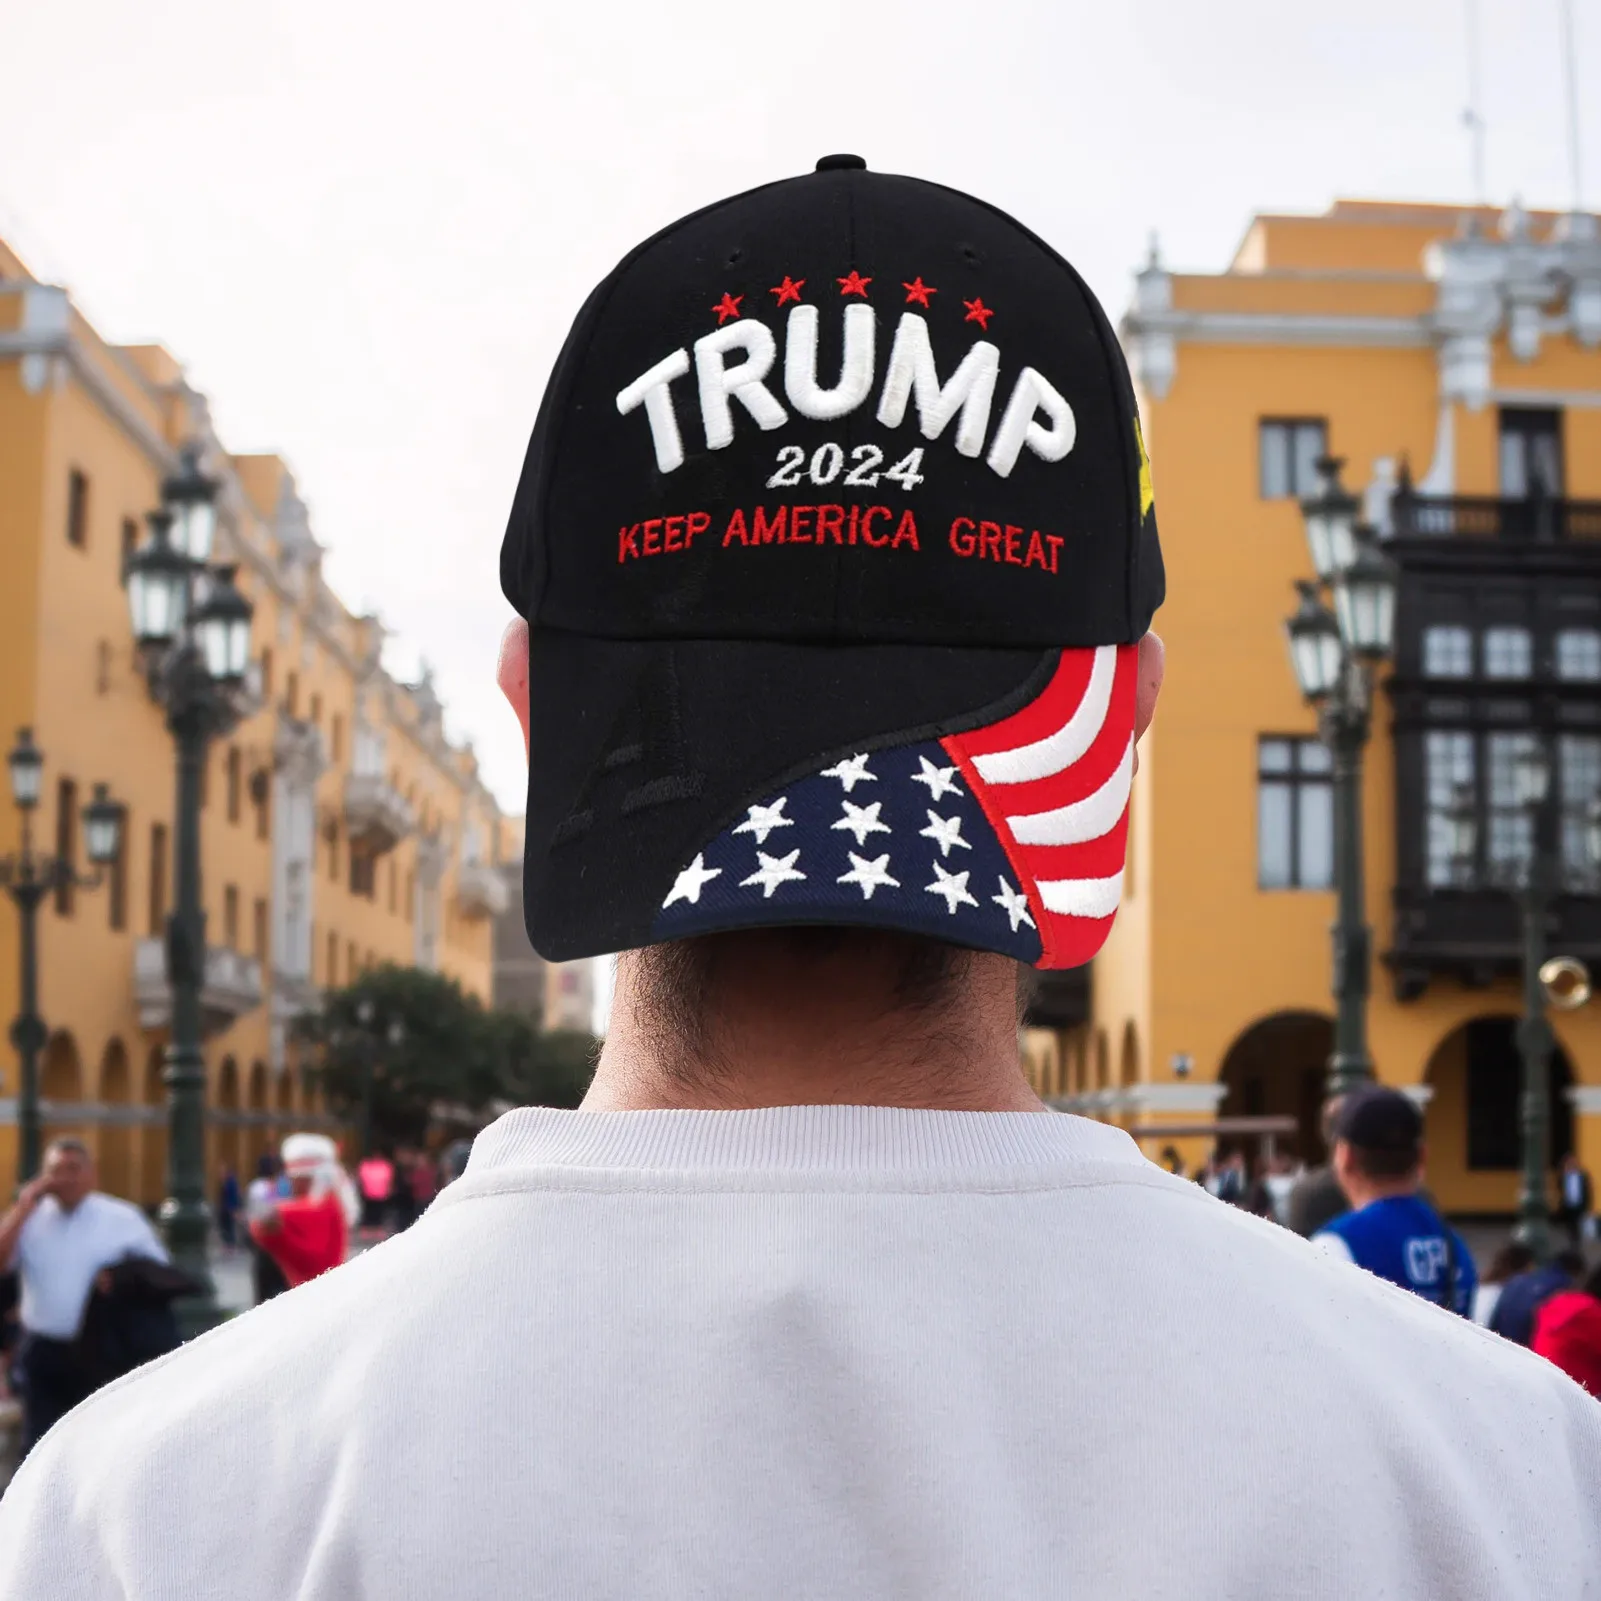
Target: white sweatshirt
822, 1354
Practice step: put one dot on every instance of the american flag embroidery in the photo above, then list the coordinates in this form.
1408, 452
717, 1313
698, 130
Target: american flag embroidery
1008, 837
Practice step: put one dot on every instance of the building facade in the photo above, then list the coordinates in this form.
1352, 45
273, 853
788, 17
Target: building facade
340, 828
1453, 358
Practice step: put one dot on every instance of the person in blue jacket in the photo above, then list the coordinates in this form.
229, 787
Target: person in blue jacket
1391, 1230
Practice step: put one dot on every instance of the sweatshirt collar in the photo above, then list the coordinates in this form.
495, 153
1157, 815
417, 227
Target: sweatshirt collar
881, 1141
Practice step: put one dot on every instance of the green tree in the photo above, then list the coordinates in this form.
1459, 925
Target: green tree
428, 1046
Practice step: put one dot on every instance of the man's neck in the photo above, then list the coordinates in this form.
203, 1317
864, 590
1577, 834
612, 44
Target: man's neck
1364, 1192
819, 1033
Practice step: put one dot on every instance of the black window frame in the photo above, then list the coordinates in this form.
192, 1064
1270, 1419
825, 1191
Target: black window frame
1296, 779
1293, 426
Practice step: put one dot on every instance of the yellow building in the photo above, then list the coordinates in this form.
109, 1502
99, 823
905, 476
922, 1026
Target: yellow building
1462, 348
340, 828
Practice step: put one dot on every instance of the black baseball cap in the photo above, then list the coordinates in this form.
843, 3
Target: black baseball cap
1379, 1119
835, 539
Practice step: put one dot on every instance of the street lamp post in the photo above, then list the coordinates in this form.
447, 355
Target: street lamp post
394, 1035
28, 876
1335, 655
193, 630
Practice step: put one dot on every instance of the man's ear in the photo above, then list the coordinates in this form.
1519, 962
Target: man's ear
511, 672
1148, 684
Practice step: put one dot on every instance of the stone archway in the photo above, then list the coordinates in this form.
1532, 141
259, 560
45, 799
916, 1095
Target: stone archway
226, 1118
116, 1127
1277, 1067
1471, 1122
61, 1088
257, 1135
153, 1155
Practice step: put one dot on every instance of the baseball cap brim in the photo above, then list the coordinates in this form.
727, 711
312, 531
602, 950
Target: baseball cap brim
679, 787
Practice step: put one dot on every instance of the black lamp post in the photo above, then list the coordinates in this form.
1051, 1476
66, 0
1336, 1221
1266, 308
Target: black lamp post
1335, 656
193, 629
28, 876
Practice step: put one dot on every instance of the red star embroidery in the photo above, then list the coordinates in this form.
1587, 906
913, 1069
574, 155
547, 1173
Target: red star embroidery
978, 312
918, 290
788, 290
727, 307
856, 284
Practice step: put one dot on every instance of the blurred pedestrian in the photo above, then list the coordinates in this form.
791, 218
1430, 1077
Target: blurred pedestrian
261, 1196
305, 1234
403, 1204
1277, 1181
1316, 1198
1507, 1263
1391, 1230
1232, 1180
424, 1181
376, 1179
1567, 1331
1574, 1200
453, 1160
1525, 1293
229, 1204
58, 1235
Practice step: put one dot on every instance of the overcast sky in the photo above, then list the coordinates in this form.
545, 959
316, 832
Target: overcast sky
365, 228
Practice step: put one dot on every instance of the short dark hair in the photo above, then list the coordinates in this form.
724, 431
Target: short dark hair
1510, 1260
678, 981
1592, 1285
1570, 1261
71, 1143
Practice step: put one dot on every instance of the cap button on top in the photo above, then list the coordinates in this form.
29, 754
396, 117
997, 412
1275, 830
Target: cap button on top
841, 164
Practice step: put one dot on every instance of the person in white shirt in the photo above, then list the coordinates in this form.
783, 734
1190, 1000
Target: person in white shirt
812, 1297
59, 1236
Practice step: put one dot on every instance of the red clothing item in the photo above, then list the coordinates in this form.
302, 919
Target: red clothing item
1567, 1331
309, 1238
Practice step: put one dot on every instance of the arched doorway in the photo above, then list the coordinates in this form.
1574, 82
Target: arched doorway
116, 1131
226, 1117
153, 1155
257, 1135
61, 1087
1277, 1068
1471, 1122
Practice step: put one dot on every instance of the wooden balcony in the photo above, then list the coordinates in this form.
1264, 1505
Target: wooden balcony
1539, 520
231, 986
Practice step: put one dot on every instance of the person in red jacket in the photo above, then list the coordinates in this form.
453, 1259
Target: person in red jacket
304, 1234
1567, 1331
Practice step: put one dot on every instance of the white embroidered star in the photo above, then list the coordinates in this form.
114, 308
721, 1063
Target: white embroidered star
689, 883
762, 820
870, 875
1014, 903
775, 870
953, 886
940, 780
862, 820
851, 772
946, 832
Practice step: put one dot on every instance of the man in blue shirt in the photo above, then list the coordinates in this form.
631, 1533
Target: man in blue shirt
1391, 1230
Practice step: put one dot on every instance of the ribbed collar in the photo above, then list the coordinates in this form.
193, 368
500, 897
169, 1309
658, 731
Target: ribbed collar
928, 1148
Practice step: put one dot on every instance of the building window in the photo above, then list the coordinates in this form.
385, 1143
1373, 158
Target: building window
158, 879
1508, 653
230, 916
117, 882
1288, 451
315, 713
332, 976
1448, 652
261, 794
292, 694
103, 667
1531, 453
1448, 766
66, 843
333, 854
1294, 814
78, 509
259, 930
130, 537
363, 873
1579, 655
336, 738
1509, 842
236, 783
266, 674
391, 884
1579, 758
